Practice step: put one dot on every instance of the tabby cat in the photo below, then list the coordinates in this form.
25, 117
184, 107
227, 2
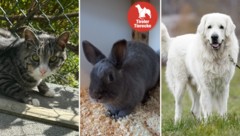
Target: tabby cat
27, 61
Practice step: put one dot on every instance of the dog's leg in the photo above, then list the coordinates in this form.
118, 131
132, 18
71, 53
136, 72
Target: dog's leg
178, 94
206, 102
195, 97
222, 101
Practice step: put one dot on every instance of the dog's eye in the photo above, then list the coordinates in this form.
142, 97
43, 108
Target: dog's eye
209, 27
221, 27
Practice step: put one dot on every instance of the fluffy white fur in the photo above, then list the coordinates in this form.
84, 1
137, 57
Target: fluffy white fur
201, 64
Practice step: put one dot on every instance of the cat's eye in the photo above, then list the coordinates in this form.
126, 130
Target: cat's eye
35, 57
209, 27
53, 59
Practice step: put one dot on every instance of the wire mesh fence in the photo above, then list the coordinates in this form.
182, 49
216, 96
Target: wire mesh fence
46, 16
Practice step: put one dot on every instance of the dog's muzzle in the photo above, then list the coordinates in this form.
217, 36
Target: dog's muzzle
215, 44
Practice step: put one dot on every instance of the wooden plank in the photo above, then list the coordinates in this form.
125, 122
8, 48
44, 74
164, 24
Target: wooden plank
41, 114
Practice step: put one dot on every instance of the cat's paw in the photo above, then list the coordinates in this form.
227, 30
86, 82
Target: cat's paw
35, 102
50, 93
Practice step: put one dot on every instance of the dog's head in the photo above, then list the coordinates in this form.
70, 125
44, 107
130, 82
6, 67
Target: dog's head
215, 29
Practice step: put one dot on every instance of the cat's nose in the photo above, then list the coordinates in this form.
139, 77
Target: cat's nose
43, 71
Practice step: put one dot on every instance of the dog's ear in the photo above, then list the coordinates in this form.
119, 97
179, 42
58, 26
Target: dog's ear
201, 26
230, 26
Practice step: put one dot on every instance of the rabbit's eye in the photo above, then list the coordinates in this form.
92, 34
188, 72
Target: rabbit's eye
110, 77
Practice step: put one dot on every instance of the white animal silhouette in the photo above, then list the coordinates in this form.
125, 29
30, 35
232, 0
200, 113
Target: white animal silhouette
143, 11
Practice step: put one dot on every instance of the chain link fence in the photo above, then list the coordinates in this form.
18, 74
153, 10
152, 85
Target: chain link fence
46, 16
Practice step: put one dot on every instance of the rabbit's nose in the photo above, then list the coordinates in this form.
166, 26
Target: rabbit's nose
98, 96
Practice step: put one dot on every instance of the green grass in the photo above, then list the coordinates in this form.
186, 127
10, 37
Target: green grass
216, 126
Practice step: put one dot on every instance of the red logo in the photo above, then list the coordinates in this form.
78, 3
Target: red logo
142, 16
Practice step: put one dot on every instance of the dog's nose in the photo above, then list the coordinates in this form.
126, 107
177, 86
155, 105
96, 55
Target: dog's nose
214, 38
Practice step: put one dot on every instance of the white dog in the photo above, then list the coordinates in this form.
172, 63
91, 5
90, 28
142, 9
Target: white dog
201, 63
143, 11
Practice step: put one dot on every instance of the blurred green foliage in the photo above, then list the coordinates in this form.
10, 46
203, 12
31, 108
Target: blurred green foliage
51, 16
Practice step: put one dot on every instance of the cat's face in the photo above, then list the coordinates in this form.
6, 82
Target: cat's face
42, 55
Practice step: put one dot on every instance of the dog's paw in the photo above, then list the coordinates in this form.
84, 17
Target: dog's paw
50, 93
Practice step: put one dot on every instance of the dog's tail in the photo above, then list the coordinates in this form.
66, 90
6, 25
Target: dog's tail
165, 41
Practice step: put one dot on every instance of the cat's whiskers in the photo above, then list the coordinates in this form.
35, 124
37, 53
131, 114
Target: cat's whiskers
55, 75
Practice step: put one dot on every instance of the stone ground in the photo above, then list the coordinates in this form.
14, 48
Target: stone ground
66, 99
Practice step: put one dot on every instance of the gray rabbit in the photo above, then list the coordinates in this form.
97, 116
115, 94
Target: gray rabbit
122, 80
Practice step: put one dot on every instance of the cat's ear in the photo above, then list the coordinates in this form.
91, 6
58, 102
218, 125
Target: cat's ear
28, 35
63, 39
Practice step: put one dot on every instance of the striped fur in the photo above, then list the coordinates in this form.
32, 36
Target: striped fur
26, 62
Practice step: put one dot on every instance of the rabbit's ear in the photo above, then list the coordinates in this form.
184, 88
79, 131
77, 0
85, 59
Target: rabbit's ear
118, 52
92, 54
